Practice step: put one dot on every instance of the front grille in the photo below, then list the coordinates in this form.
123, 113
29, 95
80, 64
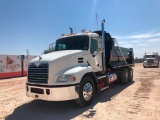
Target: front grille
38, 74
150, 60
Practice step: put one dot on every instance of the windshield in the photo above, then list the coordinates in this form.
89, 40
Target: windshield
72, 43
150, 56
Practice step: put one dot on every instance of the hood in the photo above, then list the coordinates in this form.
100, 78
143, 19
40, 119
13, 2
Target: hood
56, 55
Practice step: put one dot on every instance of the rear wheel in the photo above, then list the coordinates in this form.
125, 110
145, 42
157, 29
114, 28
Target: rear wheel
86, 92
130, 74
124, 76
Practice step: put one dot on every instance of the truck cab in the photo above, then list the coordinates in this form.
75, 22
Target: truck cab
78, 68
151, 60
88, 45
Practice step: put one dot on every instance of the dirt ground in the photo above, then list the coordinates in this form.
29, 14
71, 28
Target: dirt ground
139, 100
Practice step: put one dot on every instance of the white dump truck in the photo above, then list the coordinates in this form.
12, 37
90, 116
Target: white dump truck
81, 65
151, 60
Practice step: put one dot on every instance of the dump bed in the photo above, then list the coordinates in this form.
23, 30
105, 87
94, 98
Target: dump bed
116, 56
117, 59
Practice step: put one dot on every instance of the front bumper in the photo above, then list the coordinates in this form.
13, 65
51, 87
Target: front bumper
150, 64
52, 93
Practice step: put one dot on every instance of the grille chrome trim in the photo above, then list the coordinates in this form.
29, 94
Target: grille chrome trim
38, 74
150, 60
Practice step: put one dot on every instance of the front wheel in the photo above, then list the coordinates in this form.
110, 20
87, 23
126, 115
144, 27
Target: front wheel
86, 92
158, 65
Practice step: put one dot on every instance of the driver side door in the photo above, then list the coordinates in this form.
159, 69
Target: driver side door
95, 55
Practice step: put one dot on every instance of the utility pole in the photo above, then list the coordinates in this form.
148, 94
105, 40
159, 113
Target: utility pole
27, 52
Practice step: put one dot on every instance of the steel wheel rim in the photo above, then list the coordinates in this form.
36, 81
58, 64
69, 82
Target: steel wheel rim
87, 91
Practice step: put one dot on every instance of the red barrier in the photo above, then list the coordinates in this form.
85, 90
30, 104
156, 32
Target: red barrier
14, 65
24, 73
10, 74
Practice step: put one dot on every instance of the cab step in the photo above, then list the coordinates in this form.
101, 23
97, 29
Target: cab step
104, 88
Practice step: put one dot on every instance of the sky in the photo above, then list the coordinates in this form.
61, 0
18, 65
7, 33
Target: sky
34, 24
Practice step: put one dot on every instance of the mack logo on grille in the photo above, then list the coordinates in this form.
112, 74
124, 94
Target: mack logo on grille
37, 64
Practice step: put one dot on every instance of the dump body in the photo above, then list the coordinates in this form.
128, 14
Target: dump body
119, 59
116, 56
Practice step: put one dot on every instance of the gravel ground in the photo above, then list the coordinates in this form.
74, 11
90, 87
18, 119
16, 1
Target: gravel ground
139, 99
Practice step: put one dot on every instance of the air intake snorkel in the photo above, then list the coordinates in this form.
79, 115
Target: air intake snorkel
71, 30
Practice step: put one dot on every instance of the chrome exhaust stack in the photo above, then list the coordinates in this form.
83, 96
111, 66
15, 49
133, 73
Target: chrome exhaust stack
103, 47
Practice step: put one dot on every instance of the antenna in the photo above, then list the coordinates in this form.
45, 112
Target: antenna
97, 21
75, 30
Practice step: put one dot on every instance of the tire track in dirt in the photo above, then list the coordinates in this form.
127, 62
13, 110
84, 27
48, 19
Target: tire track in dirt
12, 93
142, 93
140, 96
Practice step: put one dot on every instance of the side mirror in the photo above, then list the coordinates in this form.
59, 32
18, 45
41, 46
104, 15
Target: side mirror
100, 50
95, 53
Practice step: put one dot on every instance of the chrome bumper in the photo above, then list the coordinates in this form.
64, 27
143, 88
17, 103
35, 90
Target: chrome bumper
55, 93
151, 64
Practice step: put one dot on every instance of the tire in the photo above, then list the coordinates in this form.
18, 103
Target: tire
144, 66
86, 92
124, 78
130, 74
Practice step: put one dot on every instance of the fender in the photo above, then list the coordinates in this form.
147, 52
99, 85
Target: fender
78, 72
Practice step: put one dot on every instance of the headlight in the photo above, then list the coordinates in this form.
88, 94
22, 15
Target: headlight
66, 78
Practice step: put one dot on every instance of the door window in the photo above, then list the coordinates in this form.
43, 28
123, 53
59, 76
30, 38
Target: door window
94, 46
